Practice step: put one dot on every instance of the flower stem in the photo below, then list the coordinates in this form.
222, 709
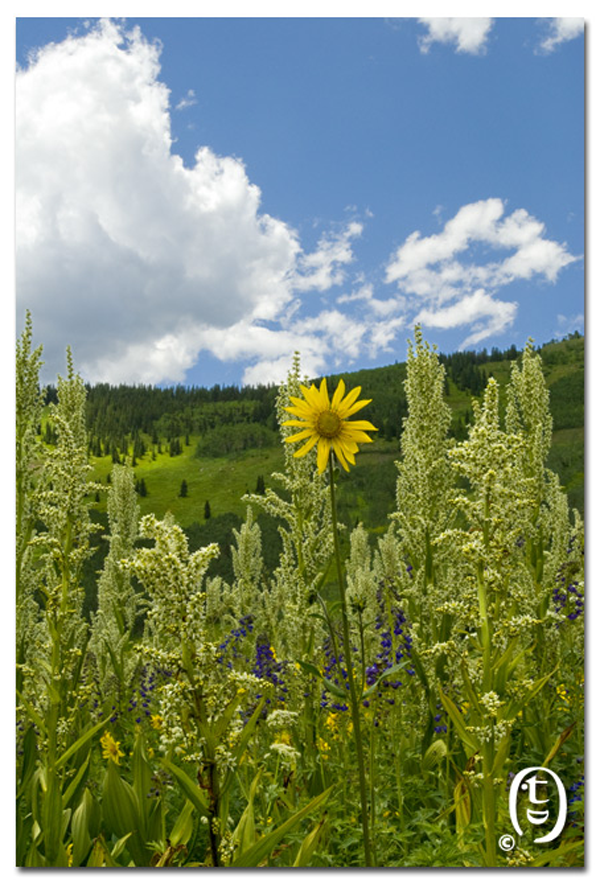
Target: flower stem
348, 658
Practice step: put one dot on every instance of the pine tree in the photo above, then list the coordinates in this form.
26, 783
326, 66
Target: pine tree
143, 489
183, 491
207, 510
260, 485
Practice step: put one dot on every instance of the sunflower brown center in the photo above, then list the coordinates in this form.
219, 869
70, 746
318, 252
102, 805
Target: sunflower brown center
328, 424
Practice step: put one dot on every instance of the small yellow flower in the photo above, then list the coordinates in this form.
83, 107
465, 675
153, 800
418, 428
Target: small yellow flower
323, 747
156, 721
325, 423
331, 721
110, 748
70, 854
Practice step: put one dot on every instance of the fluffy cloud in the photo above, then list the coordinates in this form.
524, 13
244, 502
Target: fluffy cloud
559, 30
480, 310
440, 274
323, 268
115, 237
137, 261
377, 306
467, 34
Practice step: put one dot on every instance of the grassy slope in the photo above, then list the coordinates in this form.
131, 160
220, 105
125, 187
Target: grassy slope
370, 496
220, 480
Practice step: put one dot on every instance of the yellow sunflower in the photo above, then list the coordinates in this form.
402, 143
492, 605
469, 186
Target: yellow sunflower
325, 423
111, 748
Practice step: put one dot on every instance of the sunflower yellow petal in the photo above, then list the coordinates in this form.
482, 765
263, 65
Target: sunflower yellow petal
311, 394
353, 408
324, 394
299, 405
296, 423
350, 398
338, 395
358, 436
306, 448
323, 453
362, 425
339, 453
348, 451
298, 436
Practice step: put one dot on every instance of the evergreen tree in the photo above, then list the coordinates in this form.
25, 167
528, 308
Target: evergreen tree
260, 485
183, 491
207, 510
143, 489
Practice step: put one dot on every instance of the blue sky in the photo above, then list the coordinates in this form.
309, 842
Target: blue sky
196, 198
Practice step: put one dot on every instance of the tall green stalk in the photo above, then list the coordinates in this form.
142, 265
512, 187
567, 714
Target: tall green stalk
356, 727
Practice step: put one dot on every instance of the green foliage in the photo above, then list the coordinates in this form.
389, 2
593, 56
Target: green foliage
567, 400
211, 700
226, 440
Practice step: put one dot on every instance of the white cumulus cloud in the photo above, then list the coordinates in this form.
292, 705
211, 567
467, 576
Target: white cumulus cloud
481, 311
118, 244
560, 30
451, 287
323, 268
137, 261
468, 35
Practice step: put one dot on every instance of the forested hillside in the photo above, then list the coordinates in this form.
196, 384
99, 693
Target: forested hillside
196, 452
182, 434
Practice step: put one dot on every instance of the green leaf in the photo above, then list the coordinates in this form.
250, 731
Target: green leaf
310, 844
561, 739
28, 760
190, 789
184, 824
565, 847
142, 774
241, 747
462, 804
244, 835
117, 666
265, 845
35, 717
80, 829
119, 846
469, 740
52, 818
81, 742
310, 668
248, 730
119, 803
72, 787
511, 709
334, 689
222, 723
501, 754
435, 755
